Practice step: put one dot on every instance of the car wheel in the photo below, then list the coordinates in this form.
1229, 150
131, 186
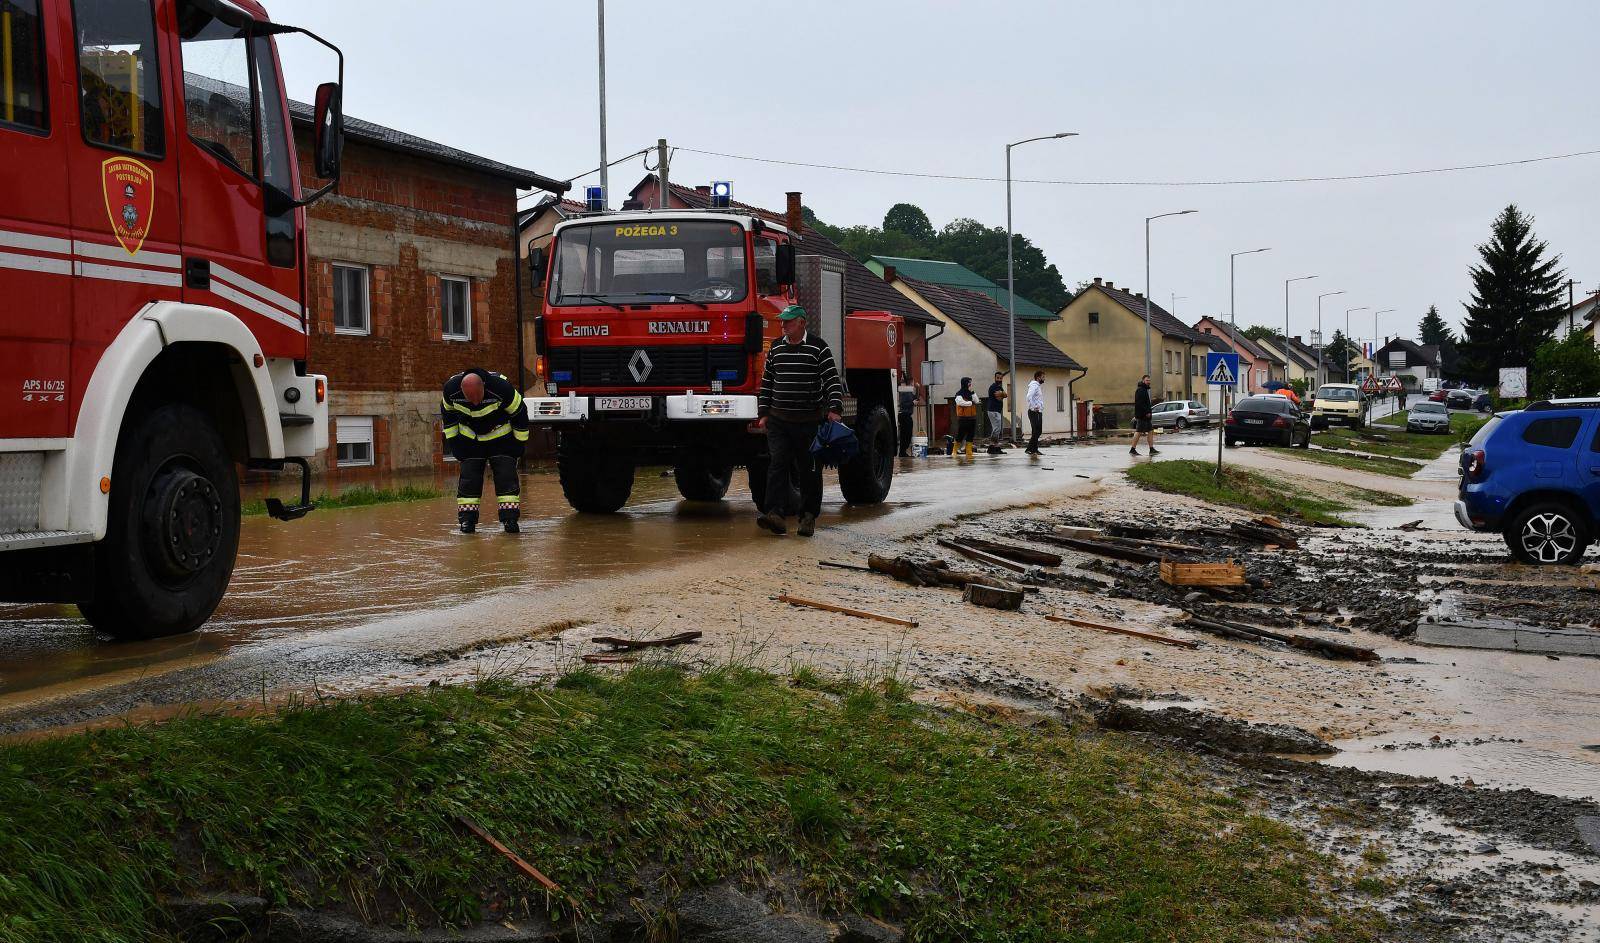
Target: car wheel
1180, 424
1232, 442
1548, 533
1305, 440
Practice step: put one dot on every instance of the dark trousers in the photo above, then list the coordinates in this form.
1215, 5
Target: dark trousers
1036, 429
966, 428
789, 445
507, 488
905, 433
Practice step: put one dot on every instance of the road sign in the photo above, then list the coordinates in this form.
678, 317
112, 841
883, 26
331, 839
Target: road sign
1222, 369
1396, 385
1371, 385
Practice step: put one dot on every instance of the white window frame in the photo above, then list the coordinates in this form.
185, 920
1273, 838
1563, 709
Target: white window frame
366, 299
355, 430
466, 313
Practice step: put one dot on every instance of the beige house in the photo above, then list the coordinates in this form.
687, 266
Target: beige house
975, 343
1104, 326
1301, 360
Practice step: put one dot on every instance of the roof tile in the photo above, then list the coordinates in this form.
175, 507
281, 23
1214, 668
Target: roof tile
983, 318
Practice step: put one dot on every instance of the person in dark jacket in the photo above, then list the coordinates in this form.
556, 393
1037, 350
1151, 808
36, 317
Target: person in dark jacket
800, 390
485, 425
1142, 425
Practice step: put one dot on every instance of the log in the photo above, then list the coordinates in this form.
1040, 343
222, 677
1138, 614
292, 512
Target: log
1267, 520
844, 610
982, 556
1136, 543
1013, 552
1317, 646
1202, 574
1106, 549
630, 644
934, 573
1135, 633
1263, 535
992, 597
845, 566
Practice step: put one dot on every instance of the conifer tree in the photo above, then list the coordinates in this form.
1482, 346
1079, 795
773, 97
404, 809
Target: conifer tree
1516, 298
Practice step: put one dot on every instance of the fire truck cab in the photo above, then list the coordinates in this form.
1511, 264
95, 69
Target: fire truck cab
652, 343
152, 299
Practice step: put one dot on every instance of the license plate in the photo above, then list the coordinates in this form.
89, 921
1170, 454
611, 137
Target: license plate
1255, 422
623, 403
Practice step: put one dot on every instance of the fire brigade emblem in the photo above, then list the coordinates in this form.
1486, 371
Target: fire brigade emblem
130, 194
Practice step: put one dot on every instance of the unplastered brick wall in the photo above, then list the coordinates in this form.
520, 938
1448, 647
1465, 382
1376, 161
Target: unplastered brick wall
408, 221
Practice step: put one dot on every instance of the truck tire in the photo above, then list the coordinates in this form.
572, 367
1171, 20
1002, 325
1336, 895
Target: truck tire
866, 478
172, 531
1548, 533
702, 477
594, 481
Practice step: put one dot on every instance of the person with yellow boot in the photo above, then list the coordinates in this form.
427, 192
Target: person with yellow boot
966, 417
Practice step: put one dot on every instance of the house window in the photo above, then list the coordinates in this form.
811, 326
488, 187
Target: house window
455, 308
22, 80
1061, 399
353, 440
119, 76
352, 312
1094, 317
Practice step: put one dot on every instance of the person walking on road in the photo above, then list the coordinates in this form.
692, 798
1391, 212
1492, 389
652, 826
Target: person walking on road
1035, 411
906, 397
485, 424
994, 403
1142, 425
966, 417
800, 389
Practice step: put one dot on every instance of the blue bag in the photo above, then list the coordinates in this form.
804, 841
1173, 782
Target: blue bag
835, 444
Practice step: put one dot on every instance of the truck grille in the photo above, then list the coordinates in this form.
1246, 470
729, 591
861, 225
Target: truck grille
668, 366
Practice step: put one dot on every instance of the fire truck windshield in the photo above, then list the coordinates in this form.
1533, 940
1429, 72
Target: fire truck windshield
643, 260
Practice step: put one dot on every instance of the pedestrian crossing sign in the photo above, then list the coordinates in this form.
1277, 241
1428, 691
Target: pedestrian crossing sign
1222, 369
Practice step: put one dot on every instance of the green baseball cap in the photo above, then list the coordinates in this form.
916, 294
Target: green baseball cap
792, 312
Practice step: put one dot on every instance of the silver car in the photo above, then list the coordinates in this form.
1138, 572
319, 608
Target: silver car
1180, 414
1428, 417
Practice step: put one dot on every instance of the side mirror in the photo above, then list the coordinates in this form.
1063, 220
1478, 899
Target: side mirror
785, 264
537, 264
329, 141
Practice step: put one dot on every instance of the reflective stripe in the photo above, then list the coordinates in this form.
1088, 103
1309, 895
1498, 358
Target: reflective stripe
121, 273
496, 433
521, 434
466, 501
516, 402
450, 432
466, 432
478, 413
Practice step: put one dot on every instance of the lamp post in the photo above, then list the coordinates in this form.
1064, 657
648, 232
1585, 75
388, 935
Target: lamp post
1233, 316
1286, 320
1375, 334
1320, 377
1348, 343
605, 172
1147, 221
1011, 279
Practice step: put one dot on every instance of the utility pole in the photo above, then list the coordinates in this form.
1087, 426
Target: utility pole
661, 169
1011, 282
1147, 298
605, 171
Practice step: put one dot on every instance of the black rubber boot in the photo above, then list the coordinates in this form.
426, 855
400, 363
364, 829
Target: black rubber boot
509, 520
468, 521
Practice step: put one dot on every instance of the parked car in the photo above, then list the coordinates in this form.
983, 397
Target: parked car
1274, 420
1461, 398
1534, 476
1483, 403
1428, 417
1180, 414
1438, 396
1340, 403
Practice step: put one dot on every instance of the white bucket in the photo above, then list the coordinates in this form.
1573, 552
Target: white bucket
919, 446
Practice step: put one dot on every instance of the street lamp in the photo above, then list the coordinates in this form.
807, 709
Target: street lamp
1320, 377
1347, 341
1172, 307
1375, 334
1286, 317
605, 172
1147, 221
1233, 316
1011, 278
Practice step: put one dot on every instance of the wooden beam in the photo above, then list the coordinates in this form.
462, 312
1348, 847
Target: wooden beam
1135, 633
843, 610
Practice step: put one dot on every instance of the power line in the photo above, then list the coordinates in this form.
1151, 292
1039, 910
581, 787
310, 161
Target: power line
1147, 183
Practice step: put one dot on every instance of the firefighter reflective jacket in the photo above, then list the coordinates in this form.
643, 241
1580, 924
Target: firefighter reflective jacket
496, 426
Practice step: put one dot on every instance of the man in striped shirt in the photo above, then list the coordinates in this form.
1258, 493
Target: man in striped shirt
799, 390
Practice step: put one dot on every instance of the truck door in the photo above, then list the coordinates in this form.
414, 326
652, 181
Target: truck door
35, 235
124, 182
239, 235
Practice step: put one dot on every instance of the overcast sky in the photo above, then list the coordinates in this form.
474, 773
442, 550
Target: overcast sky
1158, 91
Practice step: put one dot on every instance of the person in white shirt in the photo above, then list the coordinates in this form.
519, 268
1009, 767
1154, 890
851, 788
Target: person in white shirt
1035, 411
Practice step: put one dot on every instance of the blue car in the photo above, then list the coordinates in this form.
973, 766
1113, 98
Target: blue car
1534, 476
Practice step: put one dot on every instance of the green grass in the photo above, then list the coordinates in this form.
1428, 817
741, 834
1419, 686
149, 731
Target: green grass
358, 497
1253, 491
1376, 464
1462, 425
1398, 442
635, 786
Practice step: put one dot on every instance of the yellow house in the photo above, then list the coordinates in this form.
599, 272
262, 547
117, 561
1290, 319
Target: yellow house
1104, 327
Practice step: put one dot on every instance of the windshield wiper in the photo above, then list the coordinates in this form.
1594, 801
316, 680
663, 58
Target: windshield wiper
601, 299
669, 295
698, 304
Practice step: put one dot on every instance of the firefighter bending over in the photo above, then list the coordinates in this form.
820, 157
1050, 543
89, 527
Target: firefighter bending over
485, 423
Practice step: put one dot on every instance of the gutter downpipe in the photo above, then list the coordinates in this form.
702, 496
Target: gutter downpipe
926, 342
1072, 404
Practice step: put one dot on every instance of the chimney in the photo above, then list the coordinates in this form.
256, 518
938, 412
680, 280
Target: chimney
1139, 295
1097, 279
889, 274
1111, 284
1297, 339
703, 189
793, 217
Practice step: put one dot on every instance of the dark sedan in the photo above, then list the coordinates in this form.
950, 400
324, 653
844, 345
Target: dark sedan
1270, 419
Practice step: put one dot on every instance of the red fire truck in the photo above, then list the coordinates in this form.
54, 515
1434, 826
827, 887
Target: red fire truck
652, 344
152, 289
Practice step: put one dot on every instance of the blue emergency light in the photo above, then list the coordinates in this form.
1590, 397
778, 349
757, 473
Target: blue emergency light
721, 194
594, 199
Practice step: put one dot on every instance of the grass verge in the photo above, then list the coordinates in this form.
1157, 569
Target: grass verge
633, 786
1376, 464
358, 497
1462, 425
1253, 491
1396, 443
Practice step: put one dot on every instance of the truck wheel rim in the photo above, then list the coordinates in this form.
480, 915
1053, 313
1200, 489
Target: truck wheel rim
1549, 538
183, 522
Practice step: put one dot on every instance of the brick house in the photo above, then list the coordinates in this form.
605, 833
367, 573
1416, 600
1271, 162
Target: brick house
413, 276
1258, 366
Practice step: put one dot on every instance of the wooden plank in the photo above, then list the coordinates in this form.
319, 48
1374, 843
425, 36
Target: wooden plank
1081, 533
1135, 633
1202, 574
1013, 552
629, 644
973, 553
1105, 549
515, 859
843, 610
992, 598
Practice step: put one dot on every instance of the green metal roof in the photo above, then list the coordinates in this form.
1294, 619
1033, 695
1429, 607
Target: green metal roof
956, 275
